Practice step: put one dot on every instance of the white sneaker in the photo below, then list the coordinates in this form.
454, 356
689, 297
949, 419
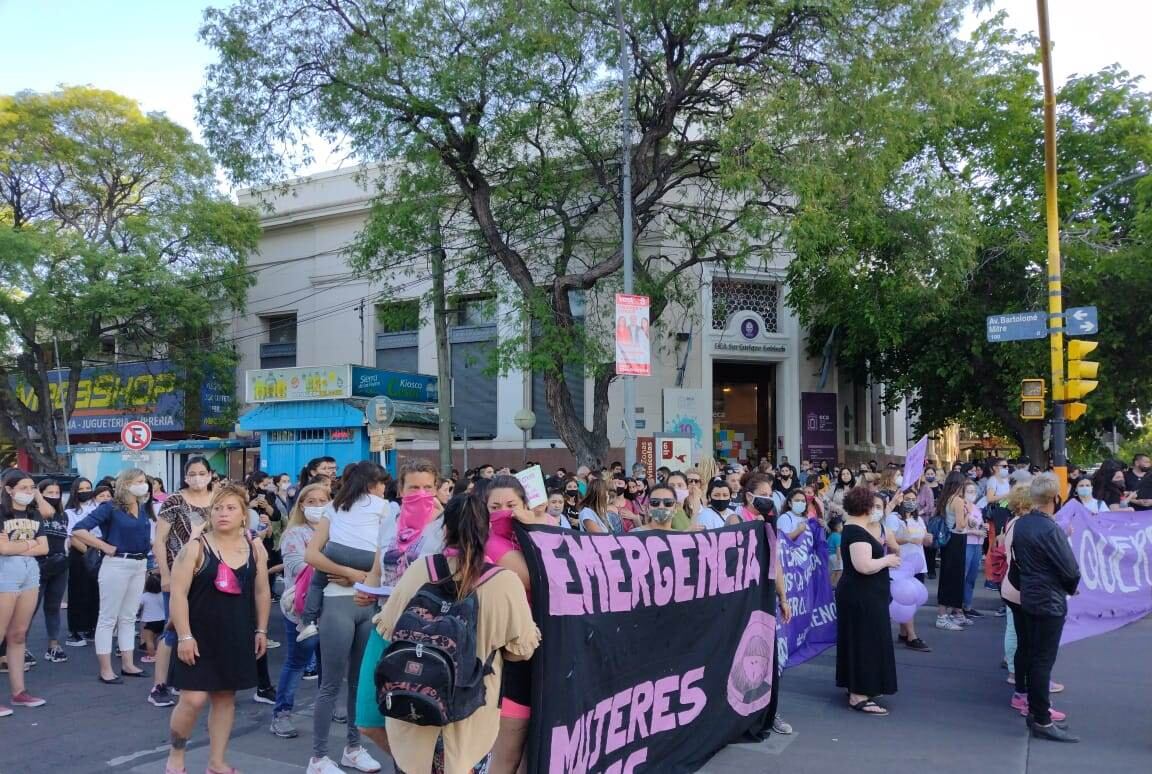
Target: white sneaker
311, 630
359, 759
781, 726
962, 621
947, 624
323, 766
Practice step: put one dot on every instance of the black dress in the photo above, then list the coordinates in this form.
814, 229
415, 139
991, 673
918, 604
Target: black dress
865, 662
224, 626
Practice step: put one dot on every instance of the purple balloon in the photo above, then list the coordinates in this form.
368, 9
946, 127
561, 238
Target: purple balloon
904, 591
901, 613
921, 594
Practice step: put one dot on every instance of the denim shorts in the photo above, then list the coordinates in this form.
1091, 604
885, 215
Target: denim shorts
18, 573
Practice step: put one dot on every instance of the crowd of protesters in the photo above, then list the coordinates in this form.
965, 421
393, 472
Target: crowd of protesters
199, 570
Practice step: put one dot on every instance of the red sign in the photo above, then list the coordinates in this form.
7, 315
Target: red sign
135, 436
633, 354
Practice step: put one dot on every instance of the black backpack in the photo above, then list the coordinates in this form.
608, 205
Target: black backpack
431, 675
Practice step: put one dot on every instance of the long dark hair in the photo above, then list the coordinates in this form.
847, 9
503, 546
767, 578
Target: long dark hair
953, 485
309, 471
252, 485
59, 507
357, 482
1102, 484
74, 493
840, 481
466, 530
11, 478
197, 460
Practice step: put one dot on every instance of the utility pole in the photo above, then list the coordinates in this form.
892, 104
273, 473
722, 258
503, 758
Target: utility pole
626, 218
443, 364
1055, 281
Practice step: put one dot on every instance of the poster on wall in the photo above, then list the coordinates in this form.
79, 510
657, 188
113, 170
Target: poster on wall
818, 426
633, 352
683, 410
671, 636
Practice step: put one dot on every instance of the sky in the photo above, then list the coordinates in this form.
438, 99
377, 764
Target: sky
149, 49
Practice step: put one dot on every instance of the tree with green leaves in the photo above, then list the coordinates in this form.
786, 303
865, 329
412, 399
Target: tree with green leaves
901, 268
110, 227
507, 112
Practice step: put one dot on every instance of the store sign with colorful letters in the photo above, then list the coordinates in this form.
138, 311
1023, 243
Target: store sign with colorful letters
670, 635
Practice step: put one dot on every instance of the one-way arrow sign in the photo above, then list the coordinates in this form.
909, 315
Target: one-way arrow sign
1082, 321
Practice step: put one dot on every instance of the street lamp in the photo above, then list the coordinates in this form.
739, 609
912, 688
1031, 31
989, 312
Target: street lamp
525, 419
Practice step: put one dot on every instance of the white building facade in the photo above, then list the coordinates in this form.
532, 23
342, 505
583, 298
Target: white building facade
734, 371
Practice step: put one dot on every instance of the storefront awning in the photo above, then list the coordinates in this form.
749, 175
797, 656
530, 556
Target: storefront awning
348, 412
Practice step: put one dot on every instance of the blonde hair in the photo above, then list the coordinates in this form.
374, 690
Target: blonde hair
120, 493
1020, 499
707, 470
296, 516
222, 493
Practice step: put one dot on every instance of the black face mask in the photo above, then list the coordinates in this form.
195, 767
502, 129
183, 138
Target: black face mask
83, 497
718, 505
52, 500
628, 495
763, 505
572, 495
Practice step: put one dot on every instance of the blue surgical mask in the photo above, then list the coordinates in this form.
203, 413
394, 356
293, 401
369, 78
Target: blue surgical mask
798, 508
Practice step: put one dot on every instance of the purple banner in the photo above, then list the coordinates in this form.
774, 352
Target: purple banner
812, 630
818, 430
1114, 549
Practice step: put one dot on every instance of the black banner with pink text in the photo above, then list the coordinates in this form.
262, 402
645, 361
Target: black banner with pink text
658, 647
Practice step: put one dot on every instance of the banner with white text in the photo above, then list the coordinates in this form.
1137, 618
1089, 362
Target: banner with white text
658, 647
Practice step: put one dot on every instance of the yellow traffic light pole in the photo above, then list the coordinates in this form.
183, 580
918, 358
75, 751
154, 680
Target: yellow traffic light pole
1055, 283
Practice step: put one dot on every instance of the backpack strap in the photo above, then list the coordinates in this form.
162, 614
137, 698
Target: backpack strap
490, 571
438, 569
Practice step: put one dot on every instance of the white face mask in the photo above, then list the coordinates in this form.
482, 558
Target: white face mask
1084, 491
139, 490
799, 508
970, 496
198, 481
23, 498
313, 512
876, 515
899, 481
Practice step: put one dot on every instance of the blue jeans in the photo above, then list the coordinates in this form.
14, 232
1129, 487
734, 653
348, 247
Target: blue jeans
973, 555
300, 655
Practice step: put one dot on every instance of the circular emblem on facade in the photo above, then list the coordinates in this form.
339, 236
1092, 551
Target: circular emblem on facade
749, 329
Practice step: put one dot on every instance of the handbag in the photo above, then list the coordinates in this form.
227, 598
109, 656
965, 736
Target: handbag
93, 560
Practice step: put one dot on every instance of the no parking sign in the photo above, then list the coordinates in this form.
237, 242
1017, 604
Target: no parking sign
135, 435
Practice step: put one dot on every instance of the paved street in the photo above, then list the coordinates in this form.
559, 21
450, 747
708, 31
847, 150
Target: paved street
951, 715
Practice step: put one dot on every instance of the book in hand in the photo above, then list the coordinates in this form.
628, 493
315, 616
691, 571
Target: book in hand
375, 591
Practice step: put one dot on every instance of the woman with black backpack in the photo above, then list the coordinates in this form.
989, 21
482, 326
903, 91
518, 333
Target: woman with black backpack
504, 631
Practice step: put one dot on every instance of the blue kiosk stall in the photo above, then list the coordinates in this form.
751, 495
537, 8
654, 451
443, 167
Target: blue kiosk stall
304, 413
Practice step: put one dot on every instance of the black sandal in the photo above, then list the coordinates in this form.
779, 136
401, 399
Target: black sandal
918, 645
866, 707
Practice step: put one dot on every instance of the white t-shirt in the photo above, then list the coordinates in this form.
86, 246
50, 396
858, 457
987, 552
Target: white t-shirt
1093, 505
787, 522
710, 519
359, 526
587, 514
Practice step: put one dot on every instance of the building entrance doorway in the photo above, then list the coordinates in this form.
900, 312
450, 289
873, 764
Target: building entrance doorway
744, 412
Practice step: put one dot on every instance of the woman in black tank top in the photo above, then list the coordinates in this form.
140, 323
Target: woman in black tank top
219, 608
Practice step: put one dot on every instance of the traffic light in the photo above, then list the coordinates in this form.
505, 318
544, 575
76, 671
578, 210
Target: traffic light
1032, 405
1081, 377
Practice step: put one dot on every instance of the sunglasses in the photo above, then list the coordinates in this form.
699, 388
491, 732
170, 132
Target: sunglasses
694, 481
662, 502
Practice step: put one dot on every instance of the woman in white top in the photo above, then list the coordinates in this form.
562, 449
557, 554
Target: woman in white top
598, 511
1084, 497
793, 518
719, 498
911, 535
352, 523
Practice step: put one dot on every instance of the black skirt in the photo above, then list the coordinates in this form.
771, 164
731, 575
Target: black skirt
950, 591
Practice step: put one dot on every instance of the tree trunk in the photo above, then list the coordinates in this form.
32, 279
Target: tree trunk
443, 365
590, 447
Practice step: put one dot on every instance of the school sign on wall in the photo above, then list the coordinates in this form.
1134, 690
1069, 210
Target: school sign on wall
670, 637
